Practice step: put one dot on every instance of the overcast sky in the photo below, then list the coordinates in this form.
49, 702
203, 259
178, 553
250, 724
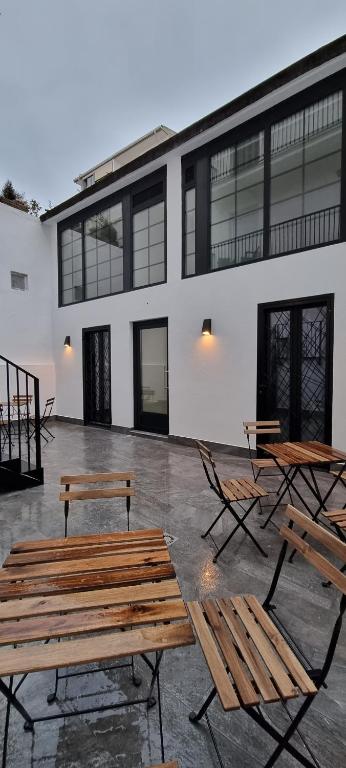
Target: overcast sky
79, 79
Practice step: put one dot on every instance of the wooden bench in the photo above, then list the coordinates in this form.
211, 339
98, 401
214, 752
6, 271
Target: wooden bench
90, 599
249, 659
231, 493
173, 764
94, 494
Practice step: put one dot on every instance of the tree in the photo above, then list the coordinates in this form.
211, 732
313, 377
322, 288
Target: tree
35, 208
8, 191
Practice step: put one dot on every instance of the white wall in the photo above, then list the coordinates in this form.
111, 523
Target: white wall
212, 379
26, 316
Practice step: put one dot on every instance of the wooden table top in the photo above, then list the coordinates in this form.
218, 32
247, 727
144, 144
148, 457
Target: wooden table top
121, 586
306, 452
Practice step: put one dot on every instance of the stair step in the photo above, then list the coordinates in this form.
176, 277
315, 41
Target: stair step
16, 481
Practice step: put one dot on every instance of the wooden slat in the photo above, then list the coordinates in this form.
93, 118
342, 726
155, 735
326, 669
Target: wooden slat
309, 453
267, 431
58, 555
293, 665
96, 493
245, 689
336, 515
264, 647
227, 492
250, 656
232, 490
61, 585
98, 477
86, 565
320, 534
173, 764
335, 452
101, 620
342, 475
257, 490
273, 423
228, 697
115, 645
268, 463
318, 561
79, 601
88, 540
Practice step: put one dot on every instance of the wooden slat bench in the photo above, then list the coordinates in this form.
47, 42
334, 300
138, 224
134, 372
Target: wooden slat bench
249, 659
91, 599
93, 494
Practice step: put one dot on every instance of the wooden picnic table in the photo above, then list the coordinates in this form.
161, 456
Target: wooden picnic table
305, 457
120, 586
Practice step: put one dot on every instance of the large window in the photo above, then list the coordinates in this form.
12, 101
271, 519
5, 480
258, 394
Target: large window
270, 187
236, 208
149, 245
116, 245
306, 177
104, 253
71, 264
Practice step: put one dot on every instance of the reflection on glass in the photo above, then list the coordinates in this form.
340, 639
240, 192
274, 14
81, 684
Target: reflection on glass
236, 208
149, 246
154, 372
306, 177
71, 264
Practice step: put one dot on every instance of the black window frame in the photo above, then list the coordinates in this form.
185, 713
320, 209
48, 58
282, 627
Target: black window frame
124, 196
200, 160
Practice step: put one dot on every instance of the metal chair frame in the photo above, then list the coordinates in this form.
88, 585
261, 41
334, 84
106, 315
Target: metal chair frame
266, 428
317, 675
215, 485
43, 420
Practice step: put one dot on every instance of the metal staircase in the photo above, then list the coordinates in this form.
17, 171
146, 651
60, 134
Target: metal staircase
20, 438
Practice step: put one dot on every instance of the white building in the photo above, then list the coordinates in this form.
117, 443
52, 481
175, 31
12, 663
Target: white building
239, 219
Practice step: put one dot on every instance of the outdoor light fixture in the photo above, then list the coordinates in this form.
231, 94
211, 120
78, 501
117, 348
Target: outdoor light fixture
67, 342
206, 327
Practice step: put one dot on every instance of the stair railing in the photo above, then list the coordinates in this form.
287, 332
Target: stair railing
20, 437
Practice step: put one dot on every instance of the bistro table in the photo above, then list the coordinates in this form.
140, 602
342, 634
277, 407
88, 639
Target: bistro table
99, 597
305, 457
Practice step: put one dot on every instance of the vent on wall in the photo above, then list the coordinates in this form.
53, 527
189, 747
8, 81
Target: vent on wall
19, 281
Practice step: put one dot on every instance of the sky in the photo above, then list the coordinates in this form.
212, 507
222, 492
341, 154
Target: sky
79, 79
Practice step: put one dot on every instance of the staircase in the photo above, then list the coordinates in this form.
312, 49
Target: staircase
20, 438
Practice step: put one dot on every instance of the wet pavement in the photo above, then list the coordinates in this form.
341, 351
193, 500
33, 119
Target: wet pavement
171, 493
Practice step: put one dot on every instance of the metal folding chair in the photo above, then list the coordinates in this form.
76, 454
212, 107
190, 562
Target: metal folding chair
254, 429
252, 658
232, 493
43, 420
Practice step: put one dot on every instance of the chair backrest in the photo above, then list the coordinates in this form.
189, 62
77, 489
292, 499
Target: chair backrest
21, 399
258, 428
326, 539
209, 467
321, 563
48, 408
96, 493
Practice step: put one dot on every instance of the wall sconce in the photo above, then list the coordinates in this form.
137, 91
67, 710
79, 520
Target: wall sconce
206, 327
67, 342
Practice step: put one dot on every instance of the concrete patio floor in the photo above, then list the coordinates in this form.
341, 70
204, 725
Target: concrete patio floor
171, 493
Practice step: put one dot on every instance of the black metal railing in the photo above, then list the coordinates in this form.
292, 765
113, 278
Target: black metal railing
304, 231
238, 250
20, 437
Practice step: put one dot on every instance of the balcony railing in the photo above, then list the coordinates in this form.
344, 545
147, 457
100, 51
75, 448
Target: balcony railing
238, 250
305, 231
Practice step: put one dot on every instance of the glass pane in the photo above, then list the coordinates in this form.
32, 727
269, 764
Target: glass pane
116, 284
313, 372
157, 273
190, 266
115, 213
157, 254
141, 259
140, 239
91, 275
91, 290
67, 297
140, 220
156, 234
104, 287
279, 369
156, 213
306, 177
190, 199
154, 374
140, 277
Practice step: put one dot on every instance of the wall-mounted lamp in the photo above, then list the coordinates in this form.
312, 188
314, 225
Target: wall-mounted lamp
206, 327
67, 342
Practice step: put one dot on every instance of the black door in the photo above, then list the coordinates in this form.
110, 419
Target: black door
150, 351
97, 375
295, 363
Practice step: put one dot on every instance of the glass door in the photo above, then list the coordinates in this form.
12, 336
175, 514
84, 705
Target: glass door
151, 376
295, 357
97, 376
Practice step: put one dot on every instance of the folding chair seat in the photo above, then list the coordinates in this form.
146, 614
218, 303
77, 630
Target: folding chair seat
259, 428
232, 493
252, 659
93, 479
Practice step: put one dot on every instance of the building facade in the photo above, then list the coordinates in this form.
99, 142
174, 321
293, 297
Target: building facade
240, 220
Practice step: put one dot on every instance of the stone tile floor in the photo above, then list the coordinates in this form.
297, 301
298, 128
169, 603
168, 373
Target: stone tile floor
172, 493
